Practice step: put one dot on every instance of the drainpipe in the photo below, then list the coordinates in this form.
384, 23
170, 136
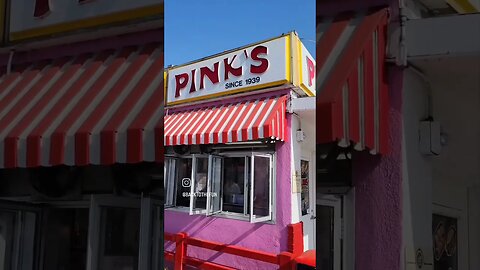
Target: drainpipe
10, 60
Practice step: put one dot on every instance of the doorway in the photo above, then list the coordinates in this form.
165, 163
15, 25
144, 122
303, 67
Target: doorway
308, 216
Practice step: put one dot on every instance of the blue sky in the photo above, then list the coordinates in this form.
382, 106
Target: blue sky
198, 28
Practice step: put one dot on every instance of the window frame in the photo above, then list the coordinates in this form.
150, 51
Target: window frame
247, 215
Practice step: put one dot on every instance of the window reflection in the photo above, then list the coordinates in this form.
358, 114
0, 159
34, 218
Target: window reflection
234, 184
261, 186
183, 181
120, 236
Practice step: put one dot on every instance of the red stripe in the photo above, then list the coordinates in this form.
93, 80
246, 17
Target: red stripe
250, 120
354, 119
33, 139
193, 119
353, 50
217, 120
108, 153
109, 131
27, 77
189, 135
175, 121
82, 136
196, 133
33, 113
57, 144
155, 102
216, 134
330, 37
256, 125
325, 120
235, 115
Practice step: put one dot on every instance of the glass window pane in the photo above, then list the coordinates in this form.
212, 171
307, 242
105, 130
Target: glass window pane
234, 184
7, 232
215, 185
120, 237
67, 232
261, 193
183, 181
169, 181
201, 174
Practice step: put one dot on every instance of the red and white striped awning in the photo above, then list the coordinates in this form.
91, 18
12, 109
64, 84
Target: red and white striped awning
100, 108
234, 122
352, 92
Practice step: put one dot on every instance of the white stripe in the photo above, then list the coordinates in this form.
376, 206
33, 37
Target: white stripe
229, 118
255, 117
9, 107
239, 133
361, 99
209, 123
267, 114
176, 126
121, 145
189, 119
195, 133
194, 124
95, 142
230, 131
70, 145
334, 56
22, 151
219, 120
45, 140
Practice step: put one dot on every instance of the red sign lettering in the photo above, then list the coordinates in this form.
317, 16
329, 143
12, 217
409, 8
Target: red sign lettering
211, 74
263, 61
229, 69
42, 7
259, 66
181, 81
311, 71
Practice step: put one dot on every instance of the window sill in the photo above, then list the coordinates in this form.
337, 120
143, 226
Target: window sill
225, 215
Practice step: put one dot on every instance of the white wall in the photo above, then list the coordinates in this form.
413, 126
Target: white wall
417, 176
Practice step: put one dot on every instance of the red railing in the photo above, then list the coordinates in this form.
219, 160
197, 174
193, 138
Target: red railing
180, 259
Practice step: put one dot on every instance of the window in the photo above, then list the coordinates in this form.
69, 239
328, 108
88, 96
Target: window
229, 184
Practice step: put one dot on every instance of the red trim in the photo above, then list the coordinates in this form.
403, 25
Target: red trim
330, 99
295, 238
285, 260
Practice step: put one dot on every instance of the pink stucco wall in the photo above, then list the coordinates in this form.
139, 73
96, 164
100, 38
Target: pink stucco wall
261, 236
378, 193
